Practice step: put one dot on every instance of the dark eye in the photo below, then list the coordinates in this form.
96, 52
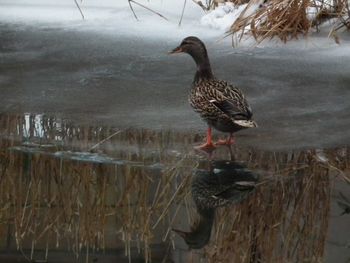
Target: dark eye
184, 43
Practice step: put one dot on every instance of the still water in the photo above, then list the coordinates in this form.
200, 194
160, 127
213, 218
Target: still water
100, 194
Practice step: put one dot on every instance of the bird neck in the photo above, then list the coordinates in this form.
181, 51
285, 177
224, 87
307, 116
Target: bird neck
200, 235
203, 73
203, 68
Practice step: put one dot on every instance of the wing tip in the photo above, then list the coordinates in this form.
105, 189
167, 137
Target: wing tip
246, 123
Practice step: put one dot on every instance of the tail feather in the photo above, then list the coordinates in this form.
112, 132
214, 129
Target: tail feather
246, 123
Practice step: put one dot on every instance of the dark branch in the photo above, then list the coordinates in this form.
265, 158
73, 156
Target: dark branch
132, 9
81, 12
183, 11
147, 8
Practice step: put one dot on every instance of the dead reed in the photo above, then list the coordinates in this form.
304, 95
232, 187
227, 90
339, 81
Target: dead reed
285, 221
286, 19
51, 198
56, 193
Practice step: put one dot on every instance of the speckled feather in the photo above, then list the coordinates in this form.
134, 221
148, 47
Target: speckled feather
219, 102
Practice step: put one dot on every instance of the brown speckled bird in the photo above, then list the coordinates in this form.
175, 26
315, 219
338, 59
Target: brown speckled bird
219, 103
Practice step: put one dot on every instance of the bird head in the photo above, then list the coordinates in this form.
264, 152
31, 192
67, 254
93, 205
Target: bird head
196, 239
188, 237
192, 46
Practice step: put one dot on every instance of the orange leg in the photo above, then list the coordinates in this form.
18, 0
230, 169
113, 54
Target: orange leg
208, 146
229, 141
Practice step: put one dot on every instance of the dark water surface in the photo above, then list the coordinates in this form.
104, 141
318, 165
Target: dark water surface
97, 161
105, 194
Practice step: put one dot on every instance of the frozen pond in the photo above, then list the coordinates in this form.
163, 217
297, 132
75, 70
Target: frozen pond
299, 96
88, 119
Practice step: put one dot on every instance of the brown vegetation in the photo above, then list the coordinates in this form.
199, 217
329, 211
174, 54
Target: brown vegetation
134, 187
287, 19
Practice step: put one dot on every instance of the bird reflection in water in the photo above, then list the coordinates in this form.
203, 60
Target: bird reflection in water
225, 183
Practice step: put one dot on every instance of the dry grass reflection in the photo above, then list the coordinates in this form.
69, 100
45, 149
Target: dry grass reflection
61, 188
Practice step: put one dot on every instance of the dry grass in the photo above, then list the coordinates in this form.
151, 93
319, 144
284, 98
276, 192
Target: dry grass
287, 19
50, 200
285, 221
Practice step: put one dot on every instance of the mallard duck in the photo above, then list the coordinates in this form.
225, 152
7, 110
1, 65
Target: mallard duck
219, 103
226, 183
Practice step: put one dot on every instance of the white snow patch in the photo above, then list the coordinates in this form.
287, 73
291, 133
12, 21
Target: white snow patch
223, 16
226, 14
316, 6
109, 17
115, 17
311, 12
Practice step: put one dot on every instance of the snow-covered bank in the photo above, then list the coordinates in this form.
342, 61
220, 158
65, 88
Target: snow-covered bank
115, 18
110, 17
226, 14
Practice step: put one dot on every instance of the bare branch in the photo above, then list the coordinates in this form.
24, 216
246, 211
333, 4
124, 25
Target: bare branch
147, 8
183, 11
81, 12
205, 9
132, 9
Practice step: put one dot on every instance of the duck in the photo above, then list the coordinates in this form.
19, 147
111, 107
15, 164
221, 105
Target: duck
225, 183
220, 104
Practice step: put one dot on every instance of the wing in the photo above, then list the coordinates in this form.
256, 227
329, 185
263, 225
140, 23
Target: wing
236, 189
230, 100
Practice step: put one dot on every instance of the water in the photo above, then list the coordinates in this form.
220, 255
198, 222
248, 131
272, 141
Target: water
97, 158
62, 189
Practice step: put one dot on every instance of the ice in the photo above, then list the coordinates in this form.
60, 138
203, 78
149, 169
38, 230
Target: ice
115, 70
88, 157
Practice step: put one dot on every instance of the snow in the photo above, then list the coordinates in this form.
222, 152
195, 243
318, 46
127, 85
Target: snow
110, 17
114, 18
316, 6
223, 16
311, 12
226, 14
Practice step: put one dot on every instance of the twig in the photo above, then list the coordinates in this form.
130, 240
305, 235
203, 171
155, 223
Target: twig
24, 255
132, 9
81, 12
170, 202
183, 11
99, 143
25, 204
147, 8
171, 222
205, 9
